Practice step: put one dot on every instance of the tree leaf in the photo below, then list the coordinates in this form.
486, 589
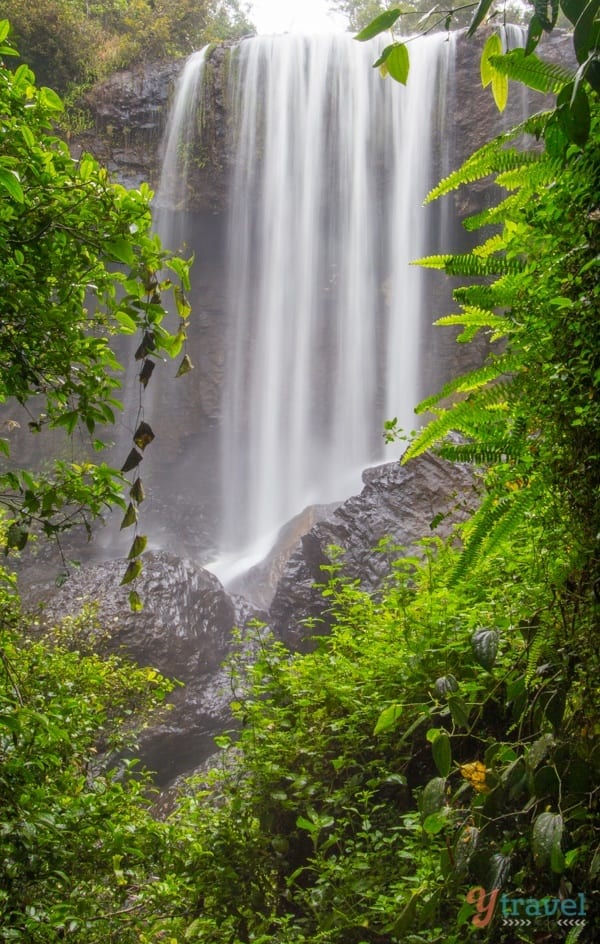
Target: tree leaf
442, 753
133, 570
480, 14
546, 840
120, 249
484, 643
130, 517
143, 435
138, 547
493, 47
9, 179
398, 63
185, 367
135, 602
433, 797
573, 111
388, 718
458, 711
500, 90
132, 461
136, 491
534, 34
381, 23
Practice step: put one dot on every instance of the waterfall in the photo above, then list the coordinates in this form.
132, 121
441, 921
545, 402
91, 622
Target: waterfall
330, 167
183, 125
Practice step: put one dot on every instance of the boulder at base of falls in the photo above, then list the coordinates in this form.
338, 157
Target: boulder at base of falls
397, 502
184, 631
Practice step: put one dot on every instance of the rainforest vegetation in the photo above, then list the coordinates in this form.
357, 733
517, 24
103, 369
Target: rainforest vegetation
72, 43
436, 756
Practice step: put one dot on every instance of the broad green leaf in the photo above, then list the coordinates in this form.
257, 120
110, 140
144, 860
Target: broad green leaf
546, 840
135, 602
130, 517
136, 492
433, 798
458, 711
493, 47
185, 366
120, 249
480, 14
132, 461
4, 30
484, 643
16, 537
388, 718
381, 23
398, 63
442, 753
51, 100
133, 570
138, 547
127, 323
9, 179
573, 110
436, 822
183, 306
500, 90
534, 34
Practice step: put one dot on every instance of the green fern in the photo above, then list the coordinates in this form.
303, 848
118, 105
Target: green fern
473, 380
492, 158
481, 453
492, 524
541, 175
531, 71
474, 318
470, 265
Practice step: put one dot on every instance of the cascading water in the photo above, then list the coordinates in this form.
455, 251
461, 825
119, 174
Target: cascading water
331, 165
324, 329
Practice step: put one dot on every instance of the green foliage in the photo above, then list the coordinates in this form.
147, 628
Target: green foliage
76, 42
79, 267
543, 310
438, 739
572, 113
77, 841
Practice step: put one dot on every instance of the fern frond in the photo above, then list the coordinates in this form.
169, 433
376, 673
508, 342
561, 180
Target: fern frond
479, 296
473, 417
470, 265
539, 174
531, 71
472, 320
493, 523
497, 214
486, 159
536, 647
480, 453
472, 380
495, 243
433, 262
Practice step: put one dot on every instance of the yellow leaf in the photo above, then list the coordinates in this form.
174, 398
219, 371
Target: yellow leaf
493, 47
500, 90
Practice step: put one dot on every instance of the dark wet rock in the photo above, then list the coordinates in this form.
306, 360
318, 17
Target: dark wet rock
185, 631
397, 502
258, 584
